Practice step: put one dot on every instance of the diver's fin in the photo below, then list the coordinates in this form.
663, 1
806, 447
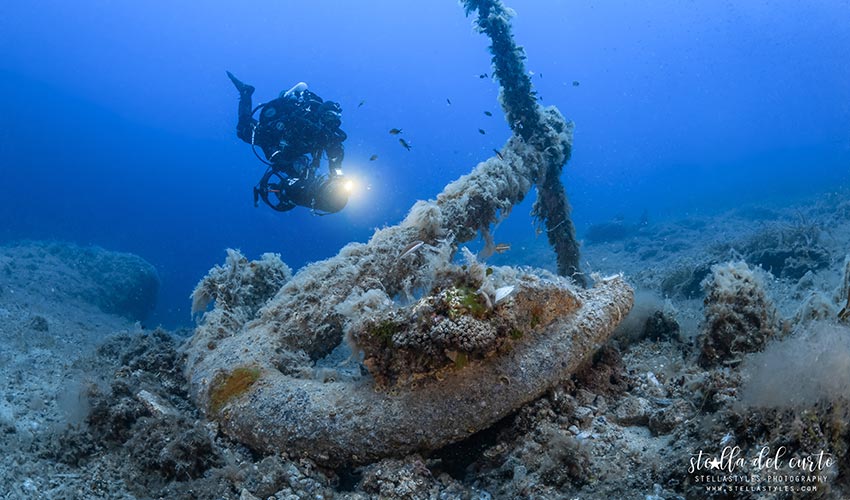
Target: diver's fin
243, 88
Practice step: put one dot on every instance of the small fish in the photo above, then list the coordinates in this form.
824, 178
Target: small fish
530, 73
576, 83
483, 76
540, 75
488, 113
502, 247
498, 154
481, 131
404, 143
373, 157
395, 131
448, 101
361, 103
409, 249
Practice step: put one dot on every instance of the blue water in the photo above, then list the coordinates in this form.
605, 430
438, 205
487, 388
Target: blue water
118, 120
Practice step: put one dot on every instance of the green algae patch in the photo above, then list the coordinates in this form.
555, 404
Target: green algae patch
464, 300
226, 387
385, 331
461, 360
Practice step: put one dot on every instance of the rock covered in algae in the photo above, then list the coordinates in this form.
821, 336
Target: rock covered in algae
739, 317
240, 286
117, 283
460, 321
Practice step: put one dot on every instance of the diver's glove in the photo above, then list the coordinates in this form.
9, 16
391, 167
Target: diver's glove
243, 88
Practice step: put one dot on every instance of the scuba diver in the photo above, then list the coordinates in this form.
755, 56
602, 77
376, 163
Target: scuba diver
294, 131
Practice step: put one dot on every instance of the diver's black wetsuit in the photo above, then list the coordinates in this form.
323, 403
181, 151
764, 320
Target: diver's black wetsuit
294, 131
292, 127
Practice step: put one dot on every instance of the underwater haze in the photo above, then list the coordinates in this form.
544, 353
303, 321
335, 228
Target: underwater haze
118, 122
